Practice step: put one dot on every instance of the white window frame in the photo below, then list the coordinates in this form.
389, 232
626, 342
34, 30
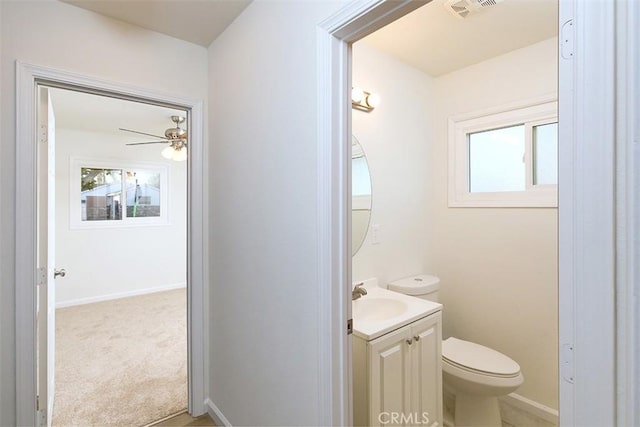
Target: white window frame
75, 206
529, 113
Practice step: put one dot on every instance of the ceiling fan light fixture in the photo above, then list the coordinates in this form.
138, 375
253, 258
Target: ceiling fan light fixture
176, 138
175, 133
167, 152
180, 155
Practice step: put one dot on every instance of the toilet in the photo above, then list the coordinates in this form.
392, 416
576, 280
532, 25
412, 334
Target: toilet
477, 375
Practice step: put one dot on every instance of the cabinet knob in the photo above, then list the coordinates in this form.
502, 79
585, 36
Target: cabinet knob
409, 341
417, 338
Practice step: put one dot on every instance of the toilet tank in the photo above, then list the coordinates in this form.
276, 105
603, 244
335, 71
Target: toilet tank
424, 286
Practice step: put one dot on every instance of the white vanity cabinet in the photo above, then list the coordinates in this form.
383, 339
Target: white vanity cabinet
398, 377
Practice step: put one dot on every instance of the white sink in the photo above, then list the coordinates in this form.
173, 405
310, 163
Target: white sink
382, 311
376, 309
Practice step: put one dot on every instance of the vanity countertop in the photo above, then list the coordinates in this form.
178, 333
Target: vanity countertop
382, 311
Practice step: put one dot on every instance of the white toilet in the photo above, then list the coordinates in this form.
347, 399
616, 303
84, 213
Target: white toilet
477, 375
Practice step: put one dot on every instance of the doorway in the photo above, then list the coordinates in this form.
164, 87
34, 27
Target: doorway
34, 411
593, 402
483, 231
116, 239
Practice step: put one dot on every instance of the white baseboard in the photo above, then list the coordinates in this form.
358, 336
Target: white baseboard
531, 407
89, 300
516, 411
216, 415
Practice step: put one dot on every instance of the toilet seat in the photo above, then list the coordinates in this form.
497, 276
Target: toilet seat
477, 359
478, 375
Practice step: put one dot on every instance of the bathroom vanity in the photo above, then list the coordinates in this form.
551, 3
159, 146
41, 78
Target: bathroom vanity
397, 372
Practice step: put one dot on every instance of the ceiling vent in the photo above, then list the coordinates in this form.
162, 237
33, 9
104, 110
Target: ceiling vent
464, 8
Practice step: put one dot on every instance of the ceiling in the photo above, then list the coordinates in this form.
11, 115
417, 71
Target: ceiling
430, 38
196, 21
436, 42
82, 111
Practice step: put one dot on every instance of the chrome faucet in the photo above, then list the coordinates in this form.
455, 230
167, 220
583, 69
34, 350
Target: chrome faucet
358, 291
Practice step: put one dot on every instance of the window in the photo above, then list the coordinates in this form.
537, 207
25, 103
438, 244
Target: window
108, 194
496, 160
505, 158
545, 154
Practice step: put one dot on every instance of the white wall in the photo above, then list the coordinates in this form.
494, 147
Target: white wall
111, 262
499, 266
263, 161
397, 138
58, 35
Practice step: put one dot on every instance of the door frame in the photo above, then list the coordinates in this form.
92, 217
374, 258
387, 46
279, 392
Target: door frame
28, 77
588, 343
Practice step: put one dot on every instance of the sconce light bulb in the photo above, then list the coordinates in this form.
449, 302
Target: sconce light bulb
357, 95
167, 152
373, 100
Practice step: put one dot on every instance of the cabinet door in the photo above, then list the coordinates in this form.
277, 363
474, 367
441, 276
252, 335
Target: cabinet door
426, 377
390, 385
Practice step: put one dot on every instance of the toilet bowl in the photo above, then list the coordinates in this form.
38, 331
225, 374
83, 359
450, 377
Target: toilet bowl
477, 375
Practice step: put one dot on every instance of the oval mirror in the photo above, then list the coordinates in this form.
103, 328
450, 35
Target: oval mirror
361, 195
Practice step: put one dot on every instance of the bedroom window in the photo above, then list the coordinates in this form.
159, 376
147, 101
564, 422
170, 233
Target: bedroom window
504, 159
113, 194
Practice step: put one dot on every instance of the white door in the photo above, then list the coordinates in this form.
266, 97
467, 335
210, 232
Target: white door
46, 257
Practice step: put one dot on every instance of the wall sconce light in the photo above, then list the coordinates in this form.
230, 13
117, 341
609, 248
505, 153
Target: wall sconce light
364, 101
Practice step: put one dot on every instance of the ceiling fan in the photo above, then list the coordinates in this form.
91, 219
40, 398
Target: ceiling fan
176, 137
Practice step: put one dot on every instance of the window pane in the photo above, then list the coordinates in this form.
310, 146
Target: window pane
545, 154
496, 160
143, 194
101, 191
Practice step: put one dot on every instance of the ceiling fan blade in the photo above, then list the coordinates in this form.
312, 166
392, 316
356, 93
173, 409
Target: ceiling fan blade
149, 142
143, 133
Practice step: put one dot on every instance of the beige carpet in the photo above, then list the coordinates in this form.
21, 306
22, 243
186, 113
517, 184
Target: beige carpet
121, 362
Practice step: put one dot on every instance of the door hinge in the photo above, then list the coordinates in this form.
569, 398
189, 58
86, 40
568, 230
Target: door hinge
42, 418
44, 133
349, 326
41, 274
567, 43
41, 413
566, 362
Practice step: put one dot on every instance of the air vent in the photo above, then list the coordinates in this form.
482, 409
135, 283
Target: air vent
463, 8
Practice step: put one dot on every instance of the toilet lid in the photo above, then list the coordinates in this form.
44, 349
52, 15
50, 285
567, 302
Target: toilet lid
476, 357
421, 284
